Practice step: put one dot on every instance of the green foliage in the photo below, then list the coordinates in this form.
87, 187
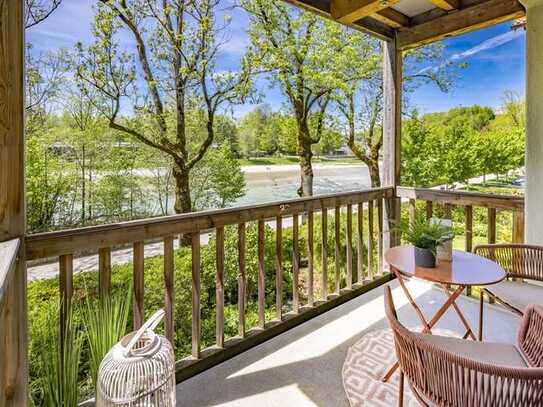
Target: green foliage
105, 321
217, 180
423, 234
451, 147
59, 367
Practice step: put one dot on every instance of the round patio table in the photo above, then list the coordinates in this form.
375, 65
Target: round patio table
465, 270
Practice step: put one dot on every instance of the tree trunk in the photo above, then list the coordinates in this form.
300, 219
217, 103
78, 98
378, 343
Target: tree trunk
83, 185
183, 202
305, 154
375, 177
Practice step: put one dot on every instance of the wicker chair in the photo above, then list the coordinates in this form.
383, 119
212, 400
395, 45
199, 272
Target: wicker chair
452, 372
520, 262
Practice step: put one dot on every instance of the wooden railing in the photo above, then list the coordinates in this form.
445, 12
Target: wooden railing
468, 201
65, 245
8, 258
12, 321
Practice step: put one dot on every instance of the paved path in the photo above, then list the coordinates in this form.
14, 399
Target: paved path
123, 256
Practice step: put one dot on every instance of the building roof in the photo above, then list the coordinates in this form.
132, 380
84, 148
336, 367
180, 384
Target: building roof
415, 22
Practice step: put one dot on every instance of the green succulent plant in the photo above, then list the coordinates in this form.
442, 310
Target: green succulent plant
425, 235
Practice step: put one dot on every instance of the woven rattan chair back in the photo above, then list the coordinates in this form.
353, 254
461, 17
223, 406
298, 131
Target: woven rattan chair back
518, 260
439, 377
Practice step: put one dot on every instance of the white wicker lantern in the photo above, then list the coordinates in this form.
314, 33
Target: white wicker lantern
139, 370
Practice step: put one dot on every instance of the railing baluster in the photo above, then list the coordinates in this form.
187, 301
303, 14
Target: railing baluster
295, 264
349, 247
324, 252
469, 228
104, 271
168, 287
310, 260
66, 281
429, 210
448, 211
261, 276
518, 227
196, 320
491, 231
360, 244
337, 241
469, 236
370, 240
138, 269
279, 267
219, 287
412, 211
242, 278
380, 258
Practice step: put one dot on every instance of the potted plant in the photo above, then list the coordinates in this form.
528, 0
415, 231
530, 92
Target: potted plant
426, 237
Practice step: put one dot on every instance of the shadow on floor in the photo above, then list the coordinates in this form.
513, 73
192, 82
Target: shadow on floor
302, 367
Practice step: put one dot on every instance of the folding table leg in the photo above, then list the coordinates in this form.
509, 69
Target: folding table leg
469, 331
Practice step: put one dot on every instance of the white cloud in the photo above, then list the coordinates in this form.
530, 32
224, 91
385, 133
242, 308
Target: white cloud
486, 45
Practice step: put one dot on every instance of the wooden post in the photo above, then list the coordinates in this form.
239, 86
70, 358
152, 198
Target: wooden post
196, 287
219, 287
104, 271
138, 277
169, 279
13, 311
295, 264
337, 253
242, 279
324, 253
349, 247
261, 276
468, 235
518, 227
491, 234
279, 268
392, 89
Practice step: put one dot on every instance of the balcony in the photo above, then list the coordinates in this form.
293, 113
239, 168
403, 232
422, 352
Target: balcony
334, 266
303, 366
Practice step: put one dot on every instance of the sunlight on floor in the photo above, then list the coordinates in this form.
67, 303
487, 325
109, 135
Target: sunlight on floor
303, 366
292, 393
319, 342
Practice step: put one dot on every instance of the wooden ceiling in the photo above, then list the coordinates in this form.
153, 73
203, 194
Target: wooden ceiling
415, 22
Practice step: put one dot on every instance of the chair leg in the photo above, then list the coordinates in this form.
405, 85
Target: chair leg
400, 390
481, 308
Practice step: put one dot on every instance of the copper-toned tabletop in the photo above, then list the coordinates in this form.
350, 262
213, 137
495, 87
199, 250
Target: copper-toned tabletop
465, 269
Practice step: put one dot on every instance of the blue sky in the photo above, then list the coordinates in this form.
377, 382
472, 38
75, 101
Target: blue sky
494, 56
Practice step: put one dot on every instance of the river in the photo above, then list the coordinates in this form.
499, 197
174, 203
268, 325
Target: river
279, 182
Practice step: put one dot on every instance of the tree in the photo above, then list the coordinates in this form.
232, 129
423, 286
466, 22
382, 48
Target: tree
305, 56
254, 132
85, 136
218, 179
514, 108
173, 73
361, 103
37, 11
365, 144
419, 159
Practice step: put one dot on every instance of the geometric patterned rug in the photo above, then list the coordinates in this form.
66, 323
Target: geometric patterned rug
366, 362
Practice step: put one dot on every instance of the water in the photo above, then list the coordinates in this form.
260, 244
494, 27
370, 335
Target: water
267, 184
280, 182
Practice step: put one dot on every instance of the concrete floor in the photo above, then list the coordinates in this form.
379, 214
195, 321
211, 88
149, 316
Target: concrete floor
302, 367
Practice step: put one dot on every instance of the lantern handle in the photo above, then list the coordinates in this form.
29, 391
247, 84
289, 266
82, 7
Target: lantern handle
149, 325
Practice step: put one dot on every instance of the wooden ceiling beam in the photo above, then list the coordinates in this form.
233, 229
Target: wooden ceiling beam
366, 25
481, 15
392, 18
349, 11
447, 5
